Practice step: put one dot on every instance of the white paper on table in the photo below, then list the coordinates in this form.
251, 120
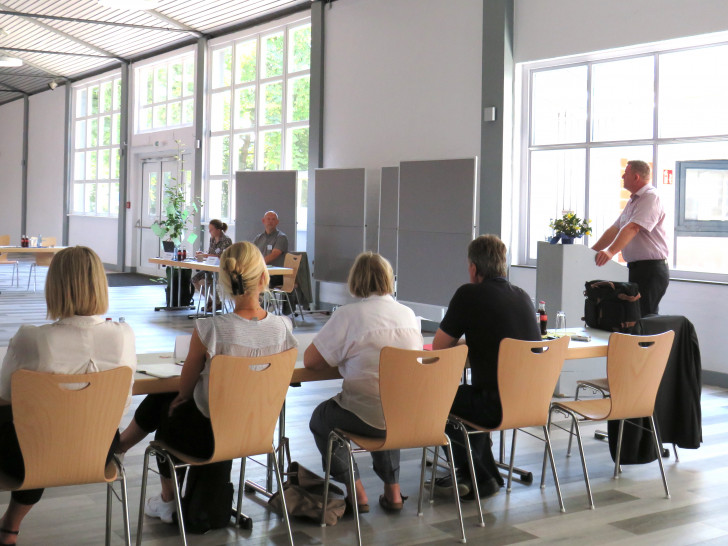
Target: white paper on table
160, 371
182, 347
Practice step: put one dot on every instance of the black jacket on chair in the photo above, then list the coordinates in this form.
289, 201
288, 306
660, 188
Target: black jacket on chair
677, 408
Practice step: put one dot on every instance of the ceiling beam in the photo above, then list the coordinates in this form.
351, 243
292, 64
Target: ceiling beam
46, 52
175, 23
11, 88
97, 22
16, 74
65, 35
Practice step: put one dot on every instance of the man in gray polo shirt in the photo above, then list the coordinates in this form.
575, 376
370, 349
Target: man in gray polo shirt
640, 235
273, 244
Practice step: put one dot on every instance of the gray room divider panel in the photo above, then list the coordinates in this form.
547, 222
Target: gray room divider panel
259, 191
340, 196
388, 215
437, 220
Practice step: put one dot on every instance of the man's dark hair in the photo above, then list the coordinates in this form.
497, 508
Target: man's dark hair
488, 254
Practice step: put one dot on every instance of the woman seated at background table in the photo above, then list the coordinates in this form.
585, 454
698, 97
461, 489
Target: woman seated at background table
79, 342
182, 420
218, 243
352, 340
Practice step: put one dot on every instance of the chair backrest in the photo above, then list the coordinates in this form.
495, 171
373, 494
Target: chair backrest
527, 375
4, 241
246, 396
417, 389
635, 365
64, 431
289, 281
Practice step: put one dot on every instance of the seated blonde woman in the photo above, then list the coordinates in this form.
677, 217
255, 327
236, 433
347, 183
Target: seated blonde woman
80, 341
182, 420
352, 340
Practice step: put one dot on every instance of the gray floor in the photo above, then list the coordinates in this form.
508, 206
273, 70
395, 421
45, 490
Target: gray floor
631, 510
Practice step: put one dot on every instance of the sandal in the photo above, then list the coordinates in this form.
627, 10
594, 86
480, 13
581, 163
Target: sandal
8, 532
361, 508
390, 506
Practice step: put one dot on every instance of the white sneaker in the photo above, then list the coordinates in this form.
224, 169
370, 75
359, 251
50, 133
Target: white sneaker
155, 507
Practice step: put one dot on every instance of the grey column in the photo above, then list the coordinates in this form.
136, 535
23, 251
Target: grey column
123, 167
497, 91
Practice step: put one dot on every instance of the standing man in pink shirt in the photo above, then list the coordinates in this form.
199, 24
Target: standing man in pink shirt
640, 235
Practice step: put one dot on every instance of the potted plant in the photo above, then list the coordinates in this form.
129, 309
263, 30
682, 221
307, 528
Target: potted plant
569, 227
178, 214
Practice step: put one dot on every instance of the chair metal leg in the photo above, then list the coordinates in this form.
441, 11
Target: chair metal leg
327, 477
571, 429
108, 513
177, 497
471, 464
435, 458
422, 481
553, 469
619, 449
283, 498
674, 448
583, 461
510, 466
143, 497
241, 487
658, 448
463, 540
125, 508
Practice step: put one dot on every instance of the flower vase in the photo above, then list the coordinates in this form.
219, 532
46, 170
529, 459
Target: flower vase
567, 239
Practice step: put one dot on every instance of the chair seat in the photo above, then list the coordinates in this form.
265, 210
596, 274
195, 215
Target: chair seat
594, 410
377, 444
472, 425
189, 459
601, 384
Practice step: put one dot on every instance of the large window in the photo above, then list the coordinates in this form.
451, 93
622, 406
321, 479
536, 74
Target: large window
584, 120
259, 112
96, 137
165, 94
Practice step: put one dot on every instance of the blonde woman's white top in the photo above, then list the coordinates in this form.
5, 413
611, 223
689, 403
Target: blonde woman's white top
74, 345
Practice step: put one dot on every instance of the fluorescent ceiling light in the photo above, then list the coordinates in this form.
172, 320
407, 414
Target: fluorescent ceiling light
6, 61
130, 5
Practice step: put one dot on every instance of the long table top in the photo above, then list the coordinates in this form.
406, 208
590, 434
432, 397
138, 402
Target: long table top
145, 384
204, 266
31, 249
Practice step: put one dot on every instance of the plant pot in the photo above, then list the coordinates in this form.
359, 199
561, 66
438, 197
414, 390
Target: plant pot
567, 240
168, 246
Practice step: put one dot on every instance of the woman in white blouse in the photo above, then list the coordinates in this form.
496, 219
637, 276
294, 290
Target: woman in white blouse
183, 420
80, 341
352, 340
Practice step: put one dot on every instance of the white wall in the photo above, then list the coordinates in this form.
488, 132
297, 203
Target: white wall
11, 155
46, 137
554, 28
402, 82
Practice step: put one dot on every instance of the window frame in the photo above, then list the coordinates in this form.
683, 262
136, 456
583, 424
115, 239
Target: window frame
696, 228
258, 129
96, 184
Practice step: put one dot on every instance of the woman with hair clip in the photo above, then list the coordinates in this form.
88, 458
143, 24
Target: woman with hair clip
218, 243
182, 420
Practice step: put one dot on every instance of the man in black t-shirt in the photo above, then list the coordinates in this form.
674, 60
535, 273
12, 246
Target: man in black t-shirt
485, 311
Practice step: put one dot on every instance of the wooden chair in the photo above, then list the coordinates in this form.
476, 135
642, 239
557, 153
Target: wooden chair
42, 259
635, 365
246, 397
527, 375
288, 289
417, 389
5, 241
65, 434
